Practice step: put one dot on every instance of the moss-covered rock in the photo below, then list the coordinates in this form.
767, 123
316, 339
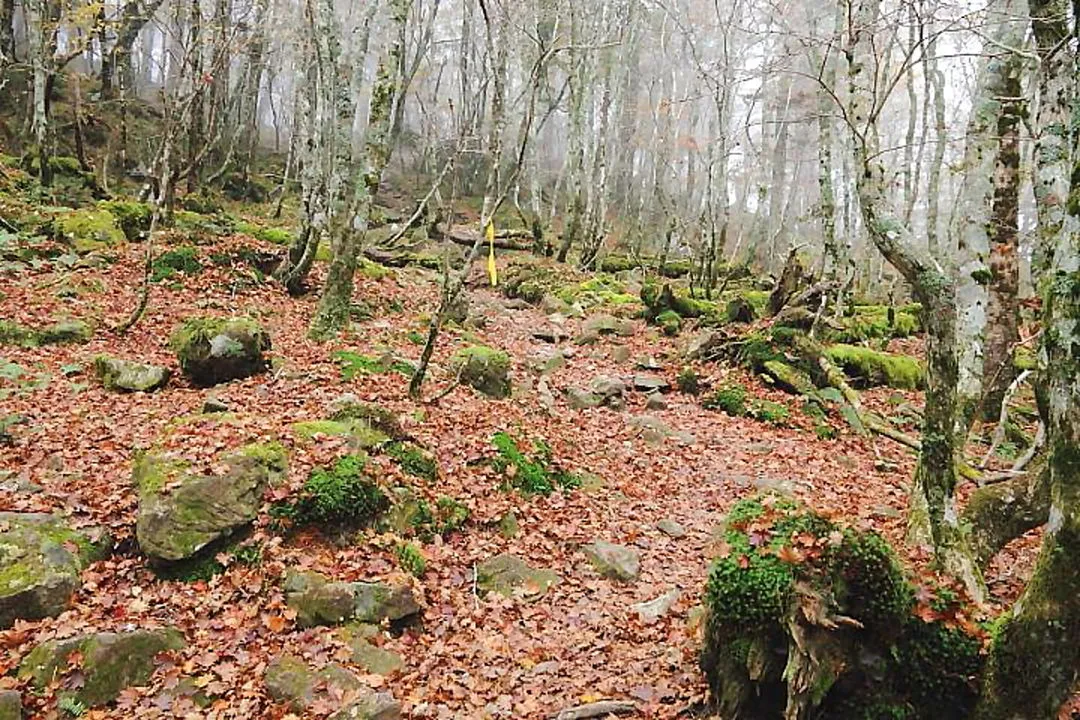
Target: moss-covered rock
510, 575
109, 663
604, 324
65, 332
740, 310
670, 322
484, 369
88, 230
181, 512
361, 436
289, 679
319, 601
365, 653
216, 350
807, 618
868, 367
350, 407
340, 496
40, 562
128, 376
133, 218
868, 322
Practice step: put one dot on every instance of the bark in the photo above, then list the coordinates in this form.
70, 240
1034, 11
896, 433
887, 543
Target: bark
574, 229
133, 17
350, 226
37, 50
998, 514
933, 517
7, 37
1035, 659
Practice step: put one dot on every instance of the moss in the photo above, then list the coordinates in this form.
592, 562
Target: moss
868, 322
353, 364
617, 263
534, 473
216, 349
1024, 358
982, 276
341, 494
411, 559
870, 367
670, 322
483, 368
65, 332
132, 217
730, 399
687, 381
271, 455
88, 230
181, 260
12, 333
768, 411
596, 291
413, 460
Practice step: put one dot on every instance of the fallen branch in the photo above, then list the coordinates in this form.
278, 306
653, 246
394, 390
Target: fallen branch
504, 239
596, 709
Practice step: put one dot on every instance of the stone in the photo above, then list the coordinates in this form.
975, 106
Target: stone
655, 431
616, 562
604, 324
550, 334
651, 383
582, 399
217, 350
128, 376
366, 653
671, 528
318, 601
620, 353
289, 679
603, 390
656, 401
41, 559
704, 345
182, 512
65, 332
657, 608
110, 661
510, 575
214, 405
484, 369
10, 705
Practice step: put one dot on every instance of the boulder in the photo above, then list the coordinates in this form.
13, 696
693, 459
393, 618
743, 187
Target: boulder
616, 562
216, 350
705, 345
109, 662
318, 601
181, 512
128, 376
289, 679
10, 705
510, 575
604, 324
484, 369
40, 561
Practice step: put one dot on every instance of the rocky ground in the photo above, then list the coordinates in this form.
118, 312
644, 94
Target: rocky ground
533, 605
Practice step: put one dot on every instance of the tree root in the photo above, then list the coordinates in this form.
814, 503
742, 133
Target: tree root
998, 514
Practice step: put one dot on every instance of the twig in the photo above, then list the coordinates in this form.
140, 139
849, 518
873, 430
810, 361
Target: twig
596, 709
1003, 418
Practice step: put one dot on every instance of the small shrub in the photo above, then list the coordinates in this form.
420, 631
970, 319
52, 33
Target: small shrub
730, 399
534, 474
411, 559
688, 381
181, 260
342, 494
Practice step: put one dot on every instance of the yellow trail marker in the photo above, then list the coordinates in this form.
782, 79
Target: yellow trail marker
492, 272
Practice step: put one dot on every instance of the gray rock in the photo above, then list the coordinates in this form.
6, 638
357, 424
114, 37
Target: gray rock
550, 334
110, 662
290, 679
317, 601
704, 345
620, 353
214, 405
616, 562
509, 575
10, 705
484, 369
582, 399
181, 512
656, 401
657, 608
216, 350
654, 431
365, 653
128, 376
671, 528
604, 324
40, 562
651, 383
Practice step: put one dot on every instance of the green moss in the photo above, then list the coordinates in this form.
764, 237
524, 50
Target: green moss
341, 494
353, 364
870, 367
868, 322
768, 411
730, 399
687, 381
1024, 358
597, 290
982, 276
670, 322
89, 230
534, 473
411, 559
274, 235
132, 217
413, 460
12, 333
181, 260
483, 368
271, 455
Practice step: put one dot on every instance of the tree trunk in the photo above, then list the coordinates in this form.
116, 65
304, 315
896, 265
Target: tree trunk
1035, 658
933, 518
348, 229
133, 17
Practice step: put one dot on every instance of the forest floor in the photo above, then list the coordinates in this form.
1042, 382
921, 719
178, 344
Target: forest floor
471, 656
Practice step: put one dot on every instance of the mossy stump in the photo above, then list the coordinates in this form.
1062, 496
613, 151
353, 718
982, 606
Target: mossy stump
807, 618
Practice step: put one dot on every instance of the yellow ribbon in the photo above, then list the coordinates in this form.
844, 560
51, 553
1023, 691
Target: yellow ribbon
492, 272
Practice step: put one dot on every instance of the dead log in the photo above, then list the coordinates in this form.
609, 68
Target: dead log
512, 239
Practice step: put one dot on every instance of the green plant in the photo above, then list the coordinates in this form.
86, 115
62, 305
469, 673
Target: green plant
342, 494
687, 381
535, 475
411, 559
71, 705
353, 364
413, 460
730, 399
181, 260
768, 411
